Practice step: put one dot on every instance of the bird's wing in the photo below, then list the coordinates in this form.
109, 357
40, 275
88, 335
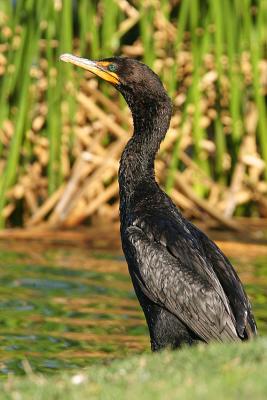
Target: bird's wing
173, 273
230, 282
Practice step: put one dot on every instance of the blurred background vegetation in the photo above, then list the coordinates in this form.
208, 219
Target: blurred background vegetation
61, 134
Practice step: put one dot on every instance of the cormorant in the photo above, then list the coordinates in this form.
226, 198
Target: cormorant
187, 288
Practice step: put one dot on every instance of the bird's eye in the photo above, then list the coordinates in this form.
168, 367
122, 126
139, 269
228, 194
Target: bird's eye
112, 67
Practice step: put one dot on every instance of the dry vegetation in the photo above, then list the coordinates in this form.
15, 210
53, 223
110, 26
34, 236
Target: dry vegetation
62, 134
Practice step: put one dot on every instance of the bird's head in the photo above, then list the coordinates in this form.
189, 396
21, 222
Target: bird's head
131, 77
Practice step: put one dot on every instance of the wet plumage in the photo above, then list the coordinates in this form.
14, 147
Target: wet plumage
187, 288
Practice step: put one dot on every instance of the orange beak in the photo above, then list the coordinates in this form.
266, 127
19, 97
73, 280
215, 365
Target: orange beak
98, 68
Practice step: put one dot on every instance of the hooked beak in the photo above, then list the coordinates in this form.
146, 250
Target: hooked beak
98, 68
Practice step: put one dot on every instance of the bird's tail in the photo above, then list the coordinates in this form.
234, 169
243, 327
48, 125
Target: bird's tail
251, 327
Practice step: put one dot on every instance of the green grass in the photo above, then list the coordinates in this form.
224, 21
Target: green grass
229, 371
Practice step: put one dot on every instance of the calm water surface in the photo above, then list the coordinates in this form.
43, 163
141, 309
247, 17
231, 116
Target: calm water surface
67, 307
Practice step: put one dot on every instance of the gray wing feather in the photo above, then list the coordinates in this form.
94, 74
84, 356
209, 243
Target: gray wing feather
194, 296
232, 286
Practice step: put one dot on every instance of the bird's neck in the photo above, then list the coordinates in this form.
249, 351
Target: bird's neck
151, 120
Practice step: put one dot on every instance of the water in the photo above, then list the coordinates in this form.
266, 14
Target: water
66, 307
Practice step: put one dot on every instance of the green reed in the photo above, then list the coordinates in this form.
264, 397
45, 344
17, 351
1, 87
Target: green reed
20, 71
228, 28
34, 32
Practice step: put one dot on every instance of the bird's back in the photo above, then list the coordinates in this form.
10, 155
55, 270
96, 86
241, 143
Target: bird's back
176, 266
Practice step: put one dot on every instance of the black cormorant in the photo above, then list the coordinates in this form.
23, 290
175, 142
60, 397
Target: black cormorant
187, 288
